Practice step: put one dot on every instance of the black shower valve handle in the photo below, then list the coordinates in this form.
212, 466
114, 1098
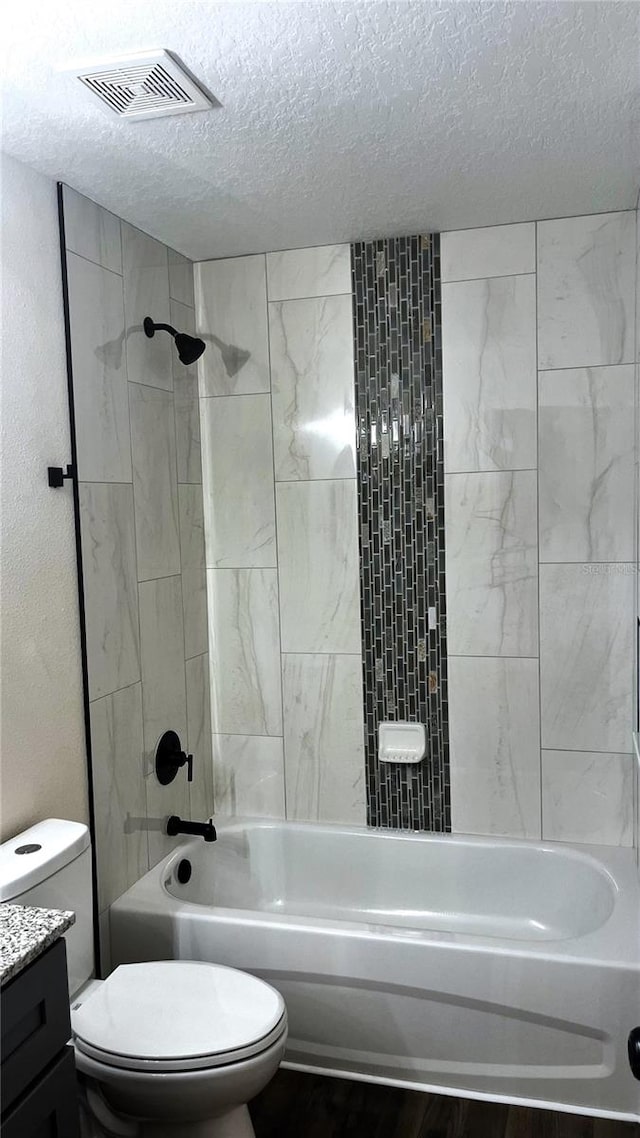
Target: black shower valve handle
183, 758
170, 757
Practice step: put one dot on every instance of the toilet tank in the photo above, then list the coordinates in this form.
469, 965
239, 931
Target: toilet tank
49, 865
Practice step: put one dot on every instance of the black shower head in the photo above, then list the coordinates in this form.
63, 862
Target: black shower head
190, 348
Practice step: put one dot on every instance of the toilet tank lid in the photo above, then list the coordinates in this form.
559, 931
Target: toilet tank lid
57, 843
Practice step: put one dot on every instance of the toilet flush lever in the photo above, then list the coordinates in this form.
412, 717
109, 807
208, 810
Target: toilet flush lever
170, 757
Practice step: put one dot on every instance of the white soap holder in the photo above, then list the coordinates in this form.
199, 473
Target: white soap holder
401, 742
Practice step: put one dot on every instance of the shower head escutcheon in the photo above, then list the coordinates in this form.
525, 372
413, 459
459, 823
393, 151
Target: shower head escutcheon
189, 348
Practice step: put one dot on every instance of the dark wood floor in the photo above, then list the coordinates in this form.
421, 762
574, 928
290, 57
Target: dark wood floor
310, 1106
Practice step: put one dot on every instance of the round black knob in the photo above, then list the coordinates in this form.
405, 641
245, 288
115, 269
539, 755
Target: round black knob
633, 1050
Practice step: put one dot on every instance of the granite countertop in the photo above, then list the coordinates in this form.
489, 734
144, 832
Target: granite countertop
25, 932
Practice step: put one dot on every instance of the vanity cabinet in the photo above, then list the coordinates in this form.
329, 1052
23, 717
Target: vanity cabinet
37, 1072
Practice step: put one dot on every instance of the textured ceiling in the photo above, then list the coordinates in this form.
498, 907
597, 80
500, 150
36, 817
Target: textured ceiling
338, 120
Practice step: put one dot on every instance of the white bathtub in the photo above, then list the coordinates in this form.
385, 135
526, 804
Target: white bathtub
470, 966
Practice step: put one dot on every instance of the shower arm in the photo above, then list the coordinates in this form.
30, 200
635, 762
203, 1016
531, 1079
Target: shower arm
150, 327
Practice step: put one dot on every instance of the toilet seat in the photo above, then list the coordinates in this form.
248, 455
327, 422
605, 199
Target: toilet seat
176, 1015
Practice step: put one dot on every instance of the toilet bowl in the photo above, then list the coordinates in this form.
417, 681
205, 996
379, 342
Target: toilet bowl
163, 1049
179, 1047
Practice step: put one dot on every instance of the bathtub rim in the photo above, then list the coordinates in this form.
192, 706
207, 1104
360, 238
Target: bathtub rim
610, 945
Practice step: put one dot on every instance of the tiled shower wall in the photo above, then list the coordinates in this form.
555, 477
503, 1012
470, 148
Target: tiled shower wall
539, 444
140, 489
278, 438
538, 363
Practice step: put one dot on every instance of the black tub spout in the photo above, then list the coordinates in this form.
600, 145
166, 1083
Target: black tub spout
204, 830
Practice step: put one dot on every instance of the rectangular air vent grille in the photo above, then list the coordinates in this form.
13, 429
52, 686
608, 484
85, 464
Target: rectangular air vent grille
144, 86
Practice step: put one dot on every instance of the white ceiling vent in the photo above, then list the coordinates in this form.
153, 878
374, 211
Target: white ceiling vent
143, 86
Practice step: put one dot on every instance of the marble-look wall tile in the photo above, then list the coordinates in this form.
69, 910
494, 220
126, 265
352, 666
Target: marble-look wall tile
163, 672
91, 231
492, 563
187, 406
587, 798
586, 656
180, 278
110, 590
495, 746
199, 738
118, 787
312, 388
155, 484
489, 371
231, 309
194, 601
586, 288
96, 314
191, 527
320, 271
244, 646
324, 738
188, 447
146, 293
319, 566
248, 773
495, 251
586, 446
239, 504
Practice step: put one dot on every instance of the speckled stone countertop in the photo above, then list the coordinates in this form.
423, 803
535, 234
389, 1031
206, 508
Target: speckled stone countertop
25, 932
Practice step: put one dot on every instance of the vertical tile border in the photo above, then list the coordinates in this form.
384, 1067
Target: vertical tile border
398, 382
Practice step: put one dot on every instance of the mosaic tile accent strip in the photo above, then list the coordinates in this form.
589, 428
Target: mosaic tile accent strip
398, 351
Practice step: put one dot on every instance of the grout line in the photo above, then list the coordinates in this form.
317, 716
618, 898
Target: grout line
538, 527
238, 394
495, 277
243, 735
584, 367
313, 296
351, 655
268, 252
506, 470
153, 386
583, 751
536, 221
486, 656
275, 521
98, 265
588, 563
240, 568
116, 691
164, 577
306, 481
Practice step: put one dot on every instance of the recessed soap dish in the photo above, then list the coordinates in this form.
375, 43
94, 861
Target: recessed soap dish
401, 742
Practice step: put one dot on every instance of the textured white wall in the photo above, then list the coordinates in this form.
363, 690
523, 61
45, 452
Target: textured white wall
42, 754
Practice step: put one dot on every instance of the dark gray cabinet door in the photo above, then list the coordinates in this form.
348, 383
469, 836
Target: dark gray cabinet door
36, 1023
50, 1108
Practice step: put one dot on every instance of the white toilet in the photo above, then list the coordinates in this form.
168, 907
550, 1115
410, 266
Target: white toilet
166, 1049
